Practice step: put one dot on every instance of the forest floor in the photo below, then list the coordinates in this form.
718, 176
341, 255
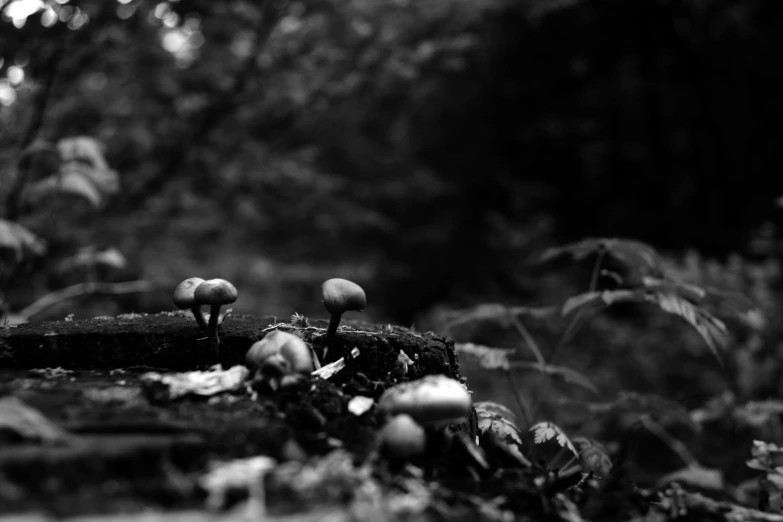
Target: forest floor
88, 429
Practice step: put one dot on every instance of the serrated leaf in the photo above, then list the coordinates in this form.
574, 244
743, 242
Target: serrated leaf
499, 419
567, 374
546, 431
633, 254
495, 409
489, 357
593, 456
502, 423
70, 183
711, 329
19, 240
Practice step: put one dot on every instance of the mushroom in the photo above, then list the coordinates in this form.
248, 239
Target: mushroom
215, 293
293, 350
184, 299
403, 438
340, 296
433, 400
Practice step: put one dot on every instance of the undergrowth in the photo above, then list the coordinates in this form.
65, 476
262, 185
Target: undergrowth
664, 443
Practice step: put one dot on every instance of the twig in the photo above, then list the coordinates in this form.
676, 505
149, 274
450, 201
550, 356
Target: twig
81, 289
571, 328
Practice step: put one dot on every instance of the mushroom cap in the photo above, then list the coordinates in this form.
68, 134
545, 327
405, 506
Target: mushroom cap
433, 399
341, 295
215, 291
183, 294
290, 347
402, 437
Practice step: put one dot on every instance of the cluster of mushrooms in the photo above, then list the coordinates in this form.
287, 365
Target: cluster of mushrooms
282, 360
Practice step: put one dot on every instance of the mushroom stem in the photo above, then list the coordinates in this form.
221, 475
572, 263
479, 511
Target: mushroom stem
214, 315
199, 316
334, 322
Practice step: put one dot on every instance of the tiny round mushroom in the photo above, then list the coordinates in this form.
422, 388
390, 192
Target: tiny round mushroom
403, 438
184, 299
340, 296
215, 293
291, 348
432, 401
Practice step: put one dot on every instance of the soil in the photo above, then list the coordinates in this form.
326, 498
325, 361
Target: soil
107, 443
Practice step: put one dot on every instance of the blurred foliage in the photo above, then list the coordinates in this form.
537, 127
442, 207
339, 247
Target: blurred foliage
425, 149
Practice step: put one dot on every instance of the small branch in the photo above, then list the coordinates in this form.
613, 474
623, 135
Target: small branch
70, 292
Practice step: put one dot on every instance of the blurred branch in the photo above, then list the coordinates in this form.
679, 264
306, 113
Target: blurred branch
207, 120
70, 292
39, 106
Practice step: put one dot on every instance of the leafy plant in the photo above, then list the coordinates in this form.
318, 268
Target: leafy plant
80, 171
671, 296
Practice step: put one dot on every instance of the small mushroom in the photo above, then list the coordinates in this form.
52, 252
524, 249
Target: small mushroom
403, 438
215, 293
293, 350
184, 299
434, 400
340, 296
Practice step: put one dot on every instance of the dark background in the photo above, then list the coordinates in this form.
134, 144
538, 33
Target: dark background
428, 150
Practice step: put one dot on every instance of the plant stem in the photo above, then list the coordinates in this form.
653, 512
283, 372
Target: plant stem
524, 408
529, 340
570, 329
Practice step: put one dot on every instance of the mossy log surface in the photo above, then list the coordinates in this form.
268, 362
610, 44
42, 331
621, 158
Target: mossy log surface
173, 341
